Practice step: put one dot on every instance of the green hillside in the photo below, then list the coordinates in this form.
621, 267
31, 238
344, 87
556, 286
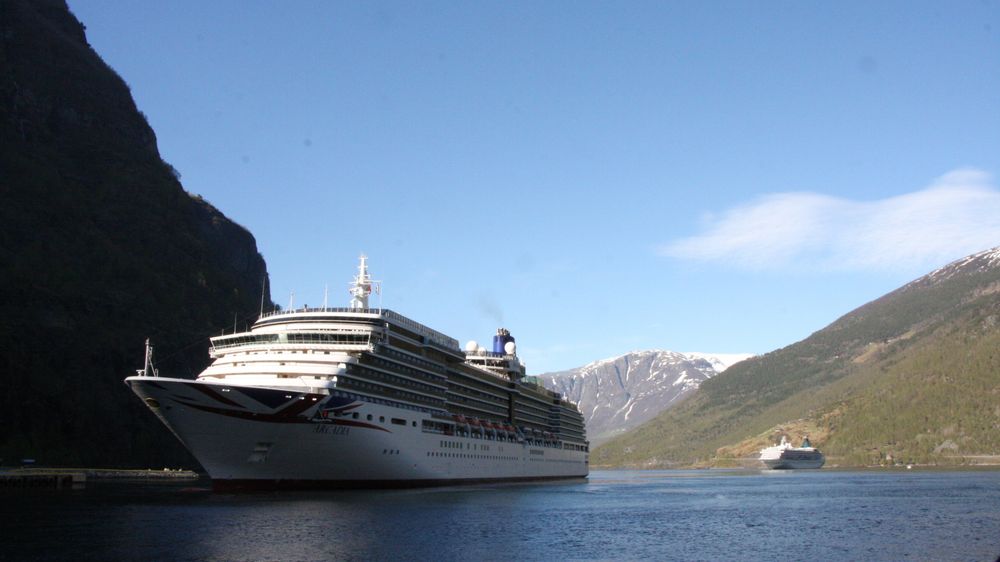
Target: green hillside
912, 377
100, 247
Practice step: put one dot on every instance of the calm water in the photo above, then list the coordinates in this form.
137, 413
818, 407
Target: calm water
659, 515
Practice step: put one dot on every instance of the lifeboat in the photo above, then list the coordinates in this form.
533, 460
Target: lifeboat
461, 423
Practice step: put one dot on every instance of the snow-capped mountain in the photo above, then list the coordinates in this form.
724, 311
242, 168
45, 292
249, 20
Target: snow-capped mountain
623, 392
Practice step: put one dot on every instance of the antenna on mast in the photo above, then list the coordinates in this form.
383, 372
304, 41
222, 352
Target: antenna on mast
326, 293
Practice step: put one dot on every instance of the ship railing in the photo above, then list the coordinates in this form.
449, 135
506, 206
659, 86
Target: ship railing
535, 384
344, 340
432, 334
416, 327
484, 370
492, 354
216, 351
282, 312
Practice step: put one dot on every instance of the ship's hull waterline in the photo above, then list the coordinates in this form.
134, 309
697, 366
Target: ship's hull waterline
791, 464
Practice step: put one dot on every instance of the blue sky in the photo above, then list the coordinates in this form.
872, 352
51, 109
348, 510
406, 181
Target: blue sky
597, 177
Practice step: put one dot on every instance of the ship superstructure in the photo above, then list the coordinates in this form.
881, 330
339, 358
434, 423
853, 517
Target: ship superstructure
362, 396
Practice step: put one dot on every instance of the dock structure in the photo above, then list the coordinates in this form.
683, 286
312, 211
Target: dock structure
46, 479
60, 478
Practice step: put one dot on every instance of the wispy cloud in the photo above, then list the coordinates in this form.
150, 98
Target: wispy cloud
958, 214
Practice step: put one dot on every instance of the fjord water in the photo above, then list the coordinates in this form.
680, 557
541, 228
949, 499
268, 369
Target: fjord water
613, 515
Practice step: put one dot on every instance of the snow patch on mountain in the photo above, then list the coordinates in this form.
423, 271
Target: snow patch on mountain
978, 262
720, 361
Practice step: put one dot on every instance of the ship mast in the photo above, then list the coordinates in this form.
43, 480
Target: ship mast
362, 286
148, 370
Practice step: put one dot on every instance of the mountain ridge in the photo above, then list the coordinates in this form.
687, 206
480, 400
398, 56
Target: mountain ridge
916, 349
617, 393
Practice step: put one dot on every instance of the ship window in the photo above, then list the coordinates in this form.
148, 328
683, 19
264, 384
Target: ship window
414, 424
369, 417
398, 421
355, 415
381, 419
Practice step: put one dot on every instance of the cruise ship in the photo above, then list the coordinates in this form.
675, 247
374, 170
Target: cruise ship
784, 456
364, 397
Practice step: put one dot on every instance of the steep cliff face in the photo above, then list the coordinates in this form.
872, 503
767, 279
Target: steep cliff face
100, 247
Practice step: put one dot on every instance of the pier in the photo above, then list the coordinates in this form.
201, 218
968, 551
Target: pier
61, 478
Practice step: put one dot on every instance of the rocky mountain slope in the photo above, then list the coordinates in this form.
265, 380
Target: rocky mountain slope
910, 377
100, 247
618, 394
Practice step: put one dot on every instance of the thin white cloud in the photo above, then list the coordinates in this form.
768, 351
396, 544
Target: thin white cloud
957, 215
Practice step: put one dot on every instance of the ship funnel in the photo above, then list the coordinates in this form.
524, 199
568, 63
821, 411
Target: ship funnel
501, 340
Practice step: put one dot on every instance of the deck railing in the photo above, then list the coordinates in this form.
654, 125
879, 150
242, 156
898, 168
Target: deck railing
430, 333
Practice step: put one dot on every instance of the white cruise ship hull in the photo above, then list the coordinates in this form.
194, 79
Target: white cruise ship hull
267, 437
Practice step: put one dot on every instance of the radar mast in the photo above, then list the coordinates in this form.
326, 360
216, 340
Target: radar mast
362, 285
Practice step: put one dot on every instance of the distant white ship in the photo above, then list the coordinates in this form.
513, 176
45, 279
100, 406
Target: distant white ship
785, 456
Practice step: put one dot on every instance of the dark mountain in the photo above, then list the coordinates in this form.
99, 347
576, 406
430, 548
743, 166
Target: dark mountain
911, 377
100, 247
